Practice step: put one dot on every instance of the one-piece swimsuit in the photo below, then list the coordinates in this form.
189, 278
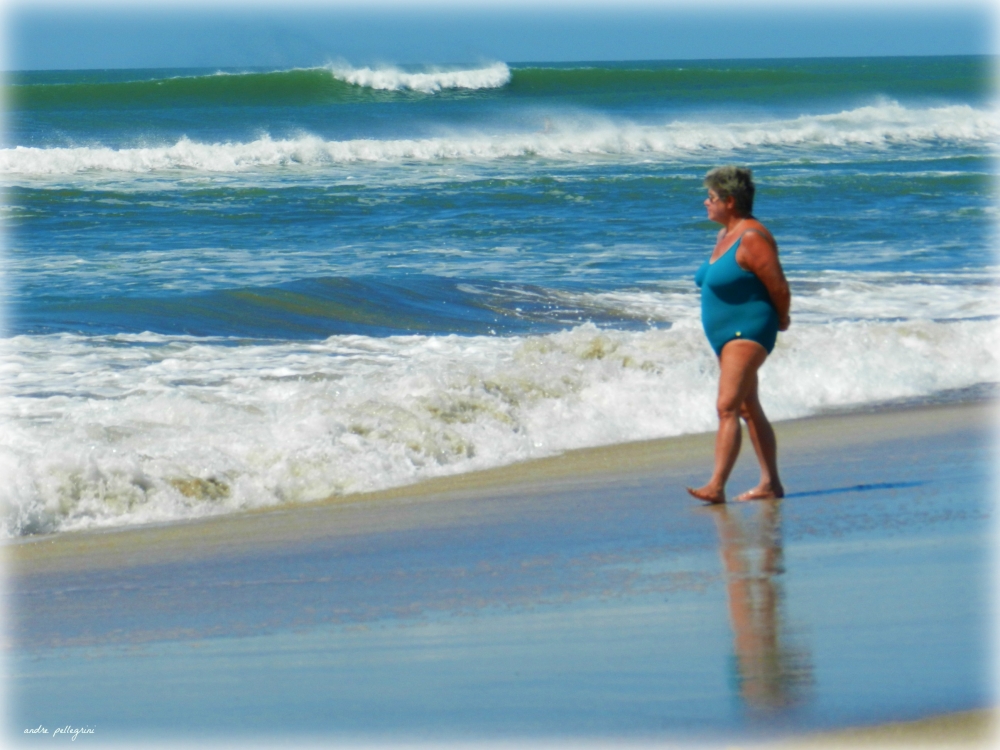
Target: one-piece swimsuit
735, 303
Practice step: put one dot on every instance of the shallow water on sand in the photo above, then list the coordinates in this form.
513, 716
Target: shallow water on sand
587, 608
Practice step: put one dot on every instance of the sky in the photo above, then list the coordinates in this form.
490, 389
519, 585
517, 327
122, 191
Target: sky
77, 35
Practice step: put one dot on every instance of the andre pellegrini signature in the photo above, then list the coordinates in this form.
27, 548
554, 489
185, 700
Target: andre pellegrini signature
70, 731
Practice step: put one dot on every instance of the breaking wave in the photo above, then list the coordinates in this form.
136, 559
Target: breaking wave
871, 127
426, 82
135, 428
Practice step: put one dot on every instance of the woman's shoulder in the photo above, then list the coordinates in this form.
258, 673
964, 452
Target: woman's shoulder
753, 228
757, 247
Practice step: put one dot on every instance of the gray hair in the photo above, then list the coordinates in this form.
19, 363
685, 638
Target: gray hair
735, 182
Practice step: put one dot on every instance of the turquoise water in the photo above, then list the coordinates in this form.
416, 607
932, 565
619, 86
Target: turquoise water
375, 276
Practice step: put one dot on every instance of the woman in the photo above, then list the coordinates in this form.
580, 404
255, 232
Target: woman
744, 303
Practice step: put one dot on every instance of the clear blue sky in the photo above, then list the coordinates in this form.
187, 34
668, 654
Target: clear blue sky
80, 36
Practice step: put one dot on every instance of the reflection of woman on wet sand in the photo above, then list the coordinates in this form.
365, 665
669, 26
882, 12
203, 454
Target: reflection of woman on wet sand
769, 673
744, 303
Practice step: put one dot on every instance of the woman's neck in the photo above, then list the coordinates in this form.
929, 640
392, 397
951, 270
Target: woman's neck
733, 222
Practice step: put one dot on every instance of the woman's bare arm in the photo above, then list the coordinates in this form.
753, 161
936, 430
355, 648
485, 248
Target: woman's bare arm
758, 255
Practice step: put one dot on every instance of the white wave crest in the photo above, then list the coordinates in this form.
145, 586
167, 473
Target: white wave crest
428, 82
867, 127
827, 297
131, 429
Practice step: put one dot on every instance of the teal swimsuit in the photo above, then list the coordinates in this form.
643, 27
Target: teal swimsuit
735, 303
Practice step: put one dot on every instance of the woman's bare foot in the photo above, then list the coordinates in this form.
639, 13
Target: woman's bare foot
707, 494
762, 492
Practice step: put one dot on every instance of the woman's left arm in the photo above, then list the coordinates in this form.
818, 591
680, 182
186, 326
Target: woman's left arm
758, 255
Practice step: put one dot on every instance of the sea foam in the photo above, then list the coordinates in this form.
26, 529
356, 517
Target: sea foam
426, 82
113, 430
871, 127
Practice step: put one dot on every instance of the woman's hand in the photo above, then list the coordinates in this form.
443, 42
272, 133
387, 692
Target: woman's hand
784, 322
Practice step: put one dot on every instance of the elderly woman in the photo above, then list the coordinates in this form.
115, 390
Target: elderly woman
744, 303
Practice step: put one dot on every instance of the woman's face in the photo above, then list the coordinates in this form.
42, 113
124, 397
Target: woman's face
718, 209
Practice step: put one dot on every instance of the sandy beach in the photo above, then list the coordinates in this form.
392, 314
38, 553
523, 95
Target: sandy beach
583, 596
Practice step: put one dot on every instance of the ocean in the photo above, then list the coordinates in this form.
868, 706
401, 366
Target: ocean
236, 289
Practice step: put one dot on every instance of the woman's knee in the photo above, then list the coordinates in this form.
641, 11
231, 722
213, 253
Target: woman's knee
728, 408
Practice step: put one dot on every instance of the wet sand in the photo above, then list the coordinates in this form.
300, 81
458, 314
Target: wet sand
581, 596
966, 729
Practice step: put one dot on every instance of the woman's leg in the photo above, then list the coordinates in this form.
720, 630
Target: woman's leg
738, 365
765, 445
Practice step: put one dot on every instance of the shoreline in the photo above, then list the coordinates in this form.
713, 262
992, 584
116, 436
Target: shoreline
686, 455
974, 728
589, 580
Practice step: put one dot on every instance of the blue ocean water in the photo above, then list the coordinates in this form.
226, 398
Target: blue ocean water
241, 288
